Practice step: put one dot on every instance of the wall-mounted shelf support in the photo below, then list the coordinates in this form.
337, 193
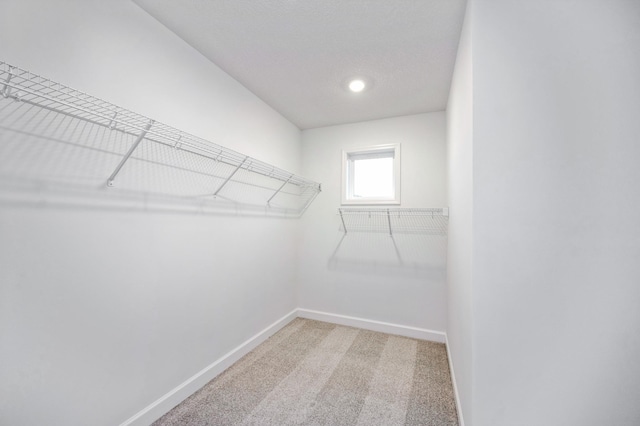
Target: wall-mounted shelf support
112, 123
278, 190
230, 176
5, 88
344, 227
128, 154
177, 144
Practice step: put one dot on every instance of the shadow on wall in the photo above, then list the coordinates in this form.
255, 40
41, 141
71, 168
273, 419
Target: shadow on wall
42, 194
419, 255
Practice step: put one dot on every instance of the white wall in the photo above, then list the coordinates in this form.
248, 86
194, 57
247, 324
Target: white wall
362, 275
103, 312
556, 236
460, 193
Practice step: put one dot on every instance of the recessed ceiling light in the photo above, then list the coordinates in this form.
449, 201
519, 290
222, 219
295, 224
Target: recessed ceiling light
356, 85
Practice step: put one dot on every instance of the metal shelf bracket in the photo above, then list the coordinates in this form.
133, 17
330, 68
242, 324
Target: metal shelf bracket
128, 154
230, 176
344, 226
278, 190
6, 90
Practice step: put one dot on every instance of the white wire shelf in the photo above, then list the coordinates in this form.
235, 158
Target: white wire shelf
432, 221
54, 133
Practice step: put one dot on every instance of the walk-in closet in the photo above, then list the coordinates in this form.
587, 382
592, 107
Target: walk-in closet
357, 212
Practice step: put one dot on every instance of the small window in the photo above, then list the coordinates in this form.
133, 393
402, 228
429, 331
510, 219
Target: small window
371, 175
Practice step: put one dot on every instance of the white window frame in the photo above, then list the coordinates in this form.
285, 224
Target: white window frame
347, 175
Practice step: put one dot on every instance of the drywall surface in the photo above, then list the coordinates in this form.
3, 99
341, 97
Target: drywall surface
102, 312
555, 212
119, 53
399, 280
460, 193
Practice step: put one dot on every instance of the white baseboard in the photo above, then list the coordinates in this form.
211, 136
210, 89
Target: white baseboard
455, 385
384, 327
163, 405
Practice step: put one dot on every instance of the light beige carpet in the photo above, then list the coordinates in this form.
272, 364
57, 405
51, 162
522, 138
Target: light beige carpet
316, 373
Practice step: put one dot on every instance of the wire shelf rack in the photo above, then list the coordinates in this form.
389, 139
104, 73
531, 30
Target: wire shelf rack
433, 221
53, 133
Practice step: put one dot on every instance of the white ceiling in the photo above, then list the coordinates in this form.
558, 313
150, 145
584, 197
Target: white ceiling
298, 55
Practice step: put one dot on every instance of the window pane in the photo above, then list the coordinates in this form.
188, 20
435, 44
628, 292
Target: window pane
373, 177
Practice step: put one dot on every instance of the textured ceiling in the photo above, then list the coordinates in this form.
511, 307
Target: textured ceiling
298, 55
